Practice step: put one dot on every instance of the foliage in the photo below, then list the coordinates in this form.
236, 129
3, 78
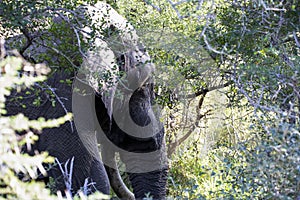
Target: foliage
254, 44
18, 170
265, 166
12, 162
274, 163
247, 49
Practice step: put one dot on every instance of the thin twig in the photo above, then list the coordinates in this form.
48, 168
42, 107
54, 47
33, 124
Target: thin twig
153, 6
200, 4
67, 175
28, 41
176, 10
2, 48
58, 52
61, 103
66, 19
209, 47
296, 39
271, 9
180, 2
205, 90
172, 146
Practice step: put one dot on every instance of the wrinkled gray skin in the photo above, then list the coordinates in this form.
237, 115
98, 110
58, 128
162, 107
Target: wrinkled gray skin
63, 142
154, 182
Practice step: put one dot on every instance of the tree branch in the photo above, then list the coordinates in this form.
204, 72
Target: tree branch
206, 90
60, 53
29, 38
296, 39
153, 6
61, 103
2, 48
172, 146
176, 10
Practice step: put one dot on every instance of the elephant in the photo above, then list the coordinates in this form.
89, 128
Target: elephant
148, 181
63, 142
142, 152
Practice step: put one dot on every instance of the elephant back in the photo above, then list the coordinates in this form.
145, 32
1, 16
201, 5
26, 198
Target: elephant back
53, 99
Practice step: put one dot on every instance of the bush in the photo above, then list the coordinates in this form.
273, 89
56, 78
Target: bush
12, 162
262, 163
18, 170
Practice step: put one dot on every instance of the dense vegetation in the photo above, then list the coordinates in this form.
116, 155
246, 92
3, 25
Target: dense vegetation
243, 139
228, 78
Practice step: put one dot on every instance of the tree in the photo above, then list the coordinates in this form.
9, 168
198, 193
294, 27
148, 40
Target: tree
255, 49
246, 50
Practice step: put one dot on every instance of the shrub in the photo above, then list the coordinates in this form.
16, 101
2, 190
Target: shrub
18, 170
